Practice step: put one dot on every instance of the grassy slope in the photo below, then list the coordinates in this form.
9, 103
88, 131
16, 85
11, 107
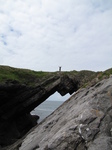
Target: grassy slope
31, 77
24, 76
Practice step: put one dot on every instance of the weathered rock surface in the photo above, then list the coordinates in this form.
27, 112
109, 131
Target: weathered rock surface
17, 101
83, 122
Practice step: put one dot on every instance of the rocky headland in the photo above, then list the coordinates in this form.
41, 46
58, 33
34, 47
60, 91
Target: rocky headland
83, 122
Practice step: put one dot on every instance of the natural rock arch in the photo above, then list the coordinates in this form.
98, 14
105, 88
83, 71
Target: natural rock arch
17, 101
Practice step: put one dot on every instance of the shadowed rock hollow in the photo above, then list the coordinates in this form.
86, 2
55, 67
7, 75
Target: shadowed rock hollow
17, 101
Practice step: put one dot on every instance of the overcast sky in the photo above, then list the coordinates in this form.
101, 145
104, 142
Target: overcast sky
46, 34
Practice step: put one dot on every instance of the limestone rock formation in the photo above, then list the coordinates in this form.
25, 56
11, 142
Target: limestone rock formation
17, 101
83, 122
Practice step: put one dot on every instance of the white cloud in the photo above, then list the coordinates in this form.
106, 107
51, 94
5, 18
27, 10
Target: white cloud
44, 34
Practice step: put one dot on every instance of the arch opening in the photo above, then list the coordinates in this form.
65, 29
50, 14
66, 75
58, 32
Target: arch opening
49, 105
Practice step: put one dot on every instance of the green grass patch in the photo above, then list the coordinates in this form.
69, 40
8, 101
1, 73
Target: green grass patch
26, 76
105, 74
32, 78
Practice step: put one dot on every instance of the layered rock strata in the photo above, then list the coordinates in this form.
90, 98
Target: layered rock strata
17, 101
83, 122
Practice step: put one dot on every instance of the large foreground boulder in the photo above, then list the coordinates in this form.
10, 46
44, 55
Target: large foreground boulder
83, 122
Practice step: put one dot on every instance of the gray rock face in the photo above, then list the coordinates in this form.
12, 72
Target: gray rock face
83, 122
17, 101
